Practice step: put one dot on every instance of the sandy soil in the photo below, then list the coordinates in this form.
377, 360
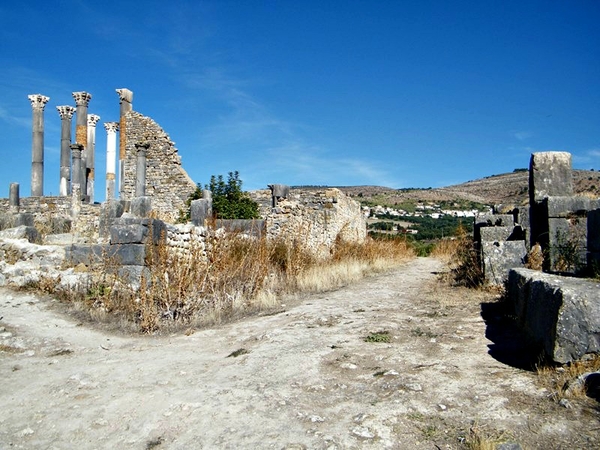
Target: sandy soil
303, 378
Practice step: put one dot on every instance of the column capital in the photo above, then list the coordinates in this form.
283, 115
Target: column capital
65, 112
38, 101
142, 147
125, 95
111, 127
92, 120
76, 148
82, 98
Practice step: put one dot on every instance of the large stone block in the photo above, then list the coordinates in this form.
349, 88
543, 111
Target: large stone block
200, 210
110, 211
567, 244
157, 229
494, 234
561, 314
24, 219
570, 206
499, 257
550, 174
494, 220
21, 232
593, 231
141, 206
111, 255
128, 234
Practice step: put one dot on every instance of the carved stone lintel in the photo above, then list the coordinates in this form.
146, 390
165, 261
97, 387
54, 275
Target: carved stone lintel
125, 95
38, 101
82, 98
111, 127
65, 112
92, 120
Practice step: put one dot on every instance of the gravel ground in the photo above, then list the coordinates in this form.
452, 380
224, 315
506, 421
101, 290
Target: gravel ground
397, 361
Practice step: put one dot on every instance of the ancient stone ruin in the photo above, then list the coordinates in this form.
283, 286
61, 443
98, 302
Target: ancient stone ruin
558, 308
146, 190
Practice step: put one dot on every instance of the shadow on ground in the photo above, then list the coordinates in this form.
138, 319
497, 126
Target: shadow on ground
509, 345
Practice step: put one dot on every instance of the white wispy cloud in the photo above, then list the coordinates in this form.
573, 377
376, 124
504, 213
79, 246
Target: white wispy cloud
522, 135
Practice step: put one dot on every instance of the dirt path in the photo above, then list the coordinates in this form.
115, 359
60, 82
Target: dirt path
304, 378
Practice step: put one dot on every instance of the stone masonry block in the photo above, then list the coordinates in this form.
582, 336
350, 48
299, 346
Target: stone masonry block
128, 234
126, 254
141, 206
493, 234
567, 245
593, 231
550, 174
561, 314
570, 206
499, 257
494, 220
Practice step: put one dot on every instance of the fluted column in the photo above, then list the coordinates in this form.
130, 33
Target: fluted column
82, 100
140, 169
111, 157
38, 102
66, 114
92, 120
125, 99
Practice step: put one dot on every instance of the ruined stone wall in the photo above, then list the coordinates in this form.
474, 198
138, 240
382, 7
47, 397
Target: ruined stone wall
313, 219
167, 183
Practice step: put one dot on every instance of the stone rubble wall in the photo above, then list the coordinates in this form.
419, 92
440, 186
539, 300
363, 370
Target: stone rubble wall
314, 220
167, 183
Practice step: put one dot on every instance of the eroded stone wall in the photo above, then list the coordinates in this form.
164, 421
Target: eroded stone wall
313, 219
167, 183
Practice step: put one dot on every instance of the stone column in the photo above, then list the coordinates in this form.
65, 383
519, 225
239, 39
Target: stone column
38, 102
125, 99
66, 114
13, 197
92, 120
82, 99
76, 150
140, 169
111, 156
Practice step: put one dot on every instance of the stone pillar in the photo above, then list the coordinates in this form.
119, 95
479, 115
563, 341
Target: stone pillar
140, 169
125, 99
13, 197
38, 102
66, 114
92, 120
111, 155
82, 99
76, 150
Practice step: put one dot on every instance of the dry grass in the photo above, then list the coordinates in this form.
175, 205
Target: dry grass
232, 275
565, 382
461, 257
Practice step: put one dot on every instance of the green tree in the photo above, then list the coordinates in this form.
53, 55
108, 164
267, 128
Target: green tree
229, 201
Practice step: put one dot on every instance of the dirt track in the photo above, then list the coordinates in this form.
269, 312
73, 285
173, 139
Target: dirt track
303, 378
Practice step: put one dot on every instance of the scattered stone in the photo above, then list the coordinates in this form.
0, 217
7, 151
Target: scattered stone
363, 433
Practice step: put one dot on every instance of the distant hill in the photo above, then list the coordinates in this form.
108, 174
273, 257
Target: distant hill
509, 188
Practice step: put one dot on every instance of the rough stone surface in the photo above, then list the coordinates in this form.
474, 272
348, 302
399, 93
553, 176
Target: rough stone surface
550, 174
570, 206
112, 255
21, 232
561, 314
128, 234
593, 231
499, 257
141, 206
167, 183
314, 219
492, 234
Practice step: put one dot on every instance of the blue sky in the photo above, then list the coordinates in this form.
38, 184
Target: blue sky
394, 93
